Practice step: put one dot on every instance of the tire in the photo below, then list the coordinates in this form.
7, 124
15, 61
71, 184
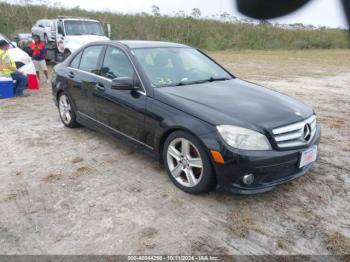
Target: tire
67, 53
67, 111
188, 164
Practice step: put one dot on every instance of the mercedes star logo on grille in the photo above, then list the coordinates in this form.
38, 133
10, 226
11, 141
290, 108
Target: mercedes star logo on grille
307, 132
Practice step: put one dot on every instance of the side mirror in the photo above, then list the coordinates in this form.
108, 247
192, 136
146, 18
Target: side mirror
14, 44
123, 83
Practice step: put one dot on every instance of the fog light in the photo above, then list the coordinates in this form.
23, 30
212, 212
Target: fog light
248, 179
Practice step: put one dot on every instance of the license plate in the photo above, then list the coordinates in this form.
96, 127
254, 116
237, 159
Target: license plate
307, 157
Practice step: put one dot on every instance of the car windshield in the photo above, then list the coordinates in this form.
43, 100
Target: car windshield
178, 66
2, 37
83, 28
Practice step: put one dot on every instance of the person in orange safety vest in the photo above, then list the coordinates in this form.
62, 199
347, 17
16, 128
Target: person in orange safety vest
38, 53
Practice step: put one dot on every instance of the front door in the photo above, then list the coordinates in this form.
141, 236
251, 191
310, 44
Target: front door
120, 110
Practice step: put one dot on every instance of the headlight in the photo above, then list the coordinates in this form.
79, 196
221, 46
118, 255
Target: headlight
243, 138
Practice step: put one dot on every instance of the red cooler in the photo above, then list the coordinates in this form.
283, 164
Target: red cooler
33, 83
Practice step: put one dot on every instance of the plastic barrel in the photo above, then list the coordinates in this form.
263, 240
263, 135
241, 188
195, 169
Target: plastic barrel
6, 87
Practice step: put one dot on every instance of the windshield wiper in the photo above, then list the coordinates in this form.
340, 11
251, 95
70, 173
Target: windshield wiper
215, 79
211, 79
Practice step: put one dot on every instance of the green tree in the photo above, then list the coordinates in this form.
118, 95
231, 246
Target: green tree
155, 10
181, 13
196, 12
225, 16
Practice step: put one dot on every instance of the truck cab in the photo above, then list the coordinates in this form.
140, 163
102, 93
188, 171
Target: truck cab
71, 33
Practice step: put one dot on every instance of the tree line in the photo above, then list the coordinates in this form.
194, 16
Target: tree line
225, 33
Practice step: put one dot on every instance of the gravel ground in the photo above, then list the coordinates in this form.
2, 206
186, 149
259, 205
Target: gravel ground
66, 191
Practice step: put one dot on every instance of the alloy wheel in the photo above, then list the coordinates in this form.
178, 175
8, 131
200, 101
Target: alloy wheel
65, 109
185, 162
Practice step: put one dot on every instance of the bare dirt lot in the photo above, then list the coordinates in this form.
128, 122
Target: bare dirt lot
65, 191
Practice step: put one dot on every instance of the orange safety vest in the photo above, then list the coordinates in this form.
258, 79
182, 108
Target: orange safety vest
36, 48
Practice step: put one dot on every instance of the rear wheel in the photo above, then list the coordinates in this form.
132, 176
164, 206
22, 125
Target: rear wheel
188, 164
67, 112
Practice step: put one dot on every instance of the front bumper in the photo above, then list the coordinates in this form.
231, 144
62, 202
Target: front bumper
270, 168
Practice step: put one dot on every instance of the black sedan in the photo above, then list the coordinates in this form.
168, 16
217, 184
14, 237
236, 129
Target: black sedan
209, 128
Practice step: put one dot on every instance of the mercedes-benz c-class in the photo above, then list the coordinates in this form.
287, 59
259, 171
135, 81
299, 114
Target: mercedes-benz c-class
209, 128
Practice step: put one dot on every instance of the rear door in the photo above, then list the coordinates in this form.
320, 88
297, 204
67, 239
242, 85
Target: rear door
82, 75
121, 111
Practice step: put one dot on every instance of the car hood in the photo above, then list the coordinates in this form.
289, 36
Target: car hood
235, 102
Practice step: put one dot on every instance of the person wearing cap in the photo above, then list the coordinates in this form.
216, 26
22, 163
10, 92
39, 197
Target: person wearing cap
8, 68
38, 53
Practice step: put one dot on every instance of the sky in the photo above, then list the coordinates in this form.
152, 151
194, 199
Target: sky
327, 13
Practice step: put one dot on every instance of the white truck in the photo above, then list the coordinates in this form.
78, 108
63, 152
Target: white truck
67, 34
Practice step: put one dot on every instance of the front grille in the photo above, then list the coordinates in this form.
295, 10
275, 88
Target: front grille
295, 135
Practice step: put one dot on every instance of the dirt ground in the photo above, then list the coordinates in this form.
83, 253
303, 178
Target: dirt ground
65, 191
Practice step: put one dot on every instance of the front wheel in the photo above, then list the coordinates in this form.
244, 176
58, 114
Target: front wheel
67, 53
188, 164
66, 110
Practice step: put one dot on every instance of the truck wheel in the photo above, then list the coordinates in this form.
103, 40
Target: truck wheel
67, 53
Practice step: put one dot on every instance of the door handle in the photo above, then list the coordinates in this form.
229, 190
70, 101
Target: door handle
71, 74
100, 87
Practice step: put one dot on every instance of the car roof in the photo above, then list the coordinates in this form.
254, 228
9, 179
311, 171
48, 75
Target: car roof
134, 44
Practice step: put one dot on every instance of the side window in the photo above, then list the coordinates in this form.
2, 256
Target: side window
76, 61
60, 28
89, 59
116, 64
52, 25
